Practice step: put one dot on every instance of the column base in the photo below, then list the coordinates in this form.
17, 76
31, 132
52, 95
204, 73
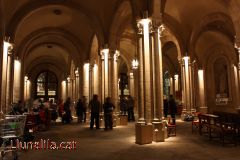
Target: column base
183, 115
101, 121
164, 125
123, 120
158, 132
115, 120
143, 133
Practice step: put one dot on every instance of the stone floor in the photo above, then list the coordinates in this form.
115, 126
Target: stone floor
119, 144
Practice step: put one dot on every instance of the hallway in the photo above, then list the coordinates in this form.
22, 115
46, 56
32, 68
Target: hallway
119, 144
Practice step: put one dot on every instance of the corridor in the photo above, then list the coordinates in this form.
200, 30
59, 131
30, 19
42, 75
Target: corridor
119, 144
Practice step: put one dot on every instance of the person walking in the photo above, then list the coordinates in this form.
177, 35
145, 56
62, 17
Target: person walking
94, 106
108, 108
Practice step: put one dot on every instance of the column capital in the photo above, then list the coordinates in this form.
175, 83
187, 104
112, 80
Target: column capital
139, 28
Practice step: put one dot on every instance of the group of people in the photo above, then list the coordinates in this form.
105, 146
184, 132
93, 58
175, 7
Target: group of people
108, 107
127, 107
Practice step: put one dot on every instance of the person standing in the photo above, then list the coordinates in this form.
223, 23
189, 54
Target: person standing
79, 110
94, 106
131, 108
68, 115
172, 108
84, 114
108, 108
165, 107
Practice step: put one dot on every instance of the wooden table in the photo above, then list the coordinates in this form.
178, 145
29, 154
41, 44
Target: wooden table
208, 121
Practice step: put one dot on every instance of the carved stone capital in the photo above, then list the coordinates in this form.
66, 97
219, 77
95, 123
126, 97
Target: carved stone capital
139, 28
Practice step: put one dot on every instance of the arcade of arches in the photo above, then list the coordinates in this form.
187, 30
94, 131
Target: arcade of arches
54, 49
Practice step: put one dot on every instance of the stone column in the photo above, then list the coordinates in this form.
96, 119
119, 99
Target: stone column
64, 90
157, 84
5, 86
143, 126
186, 74
105, 73
16, 80
10, 63
176, 83
114, 77
238, 74
201, 89
192, 87
86, 83
77, 83
114, 86
141, 116
131, 82
95, 79
91, 83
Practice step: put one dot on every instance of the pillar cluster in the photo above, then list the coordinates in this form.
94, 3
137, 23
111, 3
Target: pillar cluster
150, 92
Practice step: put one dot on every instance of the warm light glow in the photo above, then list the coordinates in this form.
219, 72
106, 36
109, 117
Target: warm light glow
16, 81
105, 72
200, 78
135, 64
76, 72
26, 78
64, 90
86, 71
104, 51
86, 83
6, 45
186, 59
176, 82
201, 88
116, 55
145, 21
95, 79
68, 79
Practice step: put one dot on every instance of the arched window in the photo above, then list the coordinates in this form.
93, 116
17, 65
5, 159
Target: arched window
46, 85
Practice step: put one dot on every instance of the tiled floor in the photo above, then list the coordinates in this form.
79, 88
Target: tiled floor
119, 144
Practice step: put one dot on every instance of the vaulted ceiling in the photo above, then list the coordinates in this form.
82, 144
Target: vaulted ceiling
62, 30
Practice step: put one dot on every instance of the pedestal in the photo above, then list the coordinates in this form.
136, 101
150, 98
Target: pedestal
158, 132
115, 117
143, 133
123, 120
101, 121
183, 115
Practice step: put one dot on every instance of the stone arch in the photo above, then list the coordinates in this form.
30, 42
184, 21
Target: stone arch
32, 6
218, 22
217, 52
25, 47
176, 32
94, 49
122, 17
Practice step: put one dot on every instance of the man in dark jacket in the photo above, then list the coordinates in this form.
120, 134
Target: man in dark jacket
108, 111
172, 108
94, 106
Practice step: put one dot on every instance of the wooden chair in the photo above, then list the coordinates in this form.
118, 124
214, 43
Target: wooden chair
195, 121
171, 128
